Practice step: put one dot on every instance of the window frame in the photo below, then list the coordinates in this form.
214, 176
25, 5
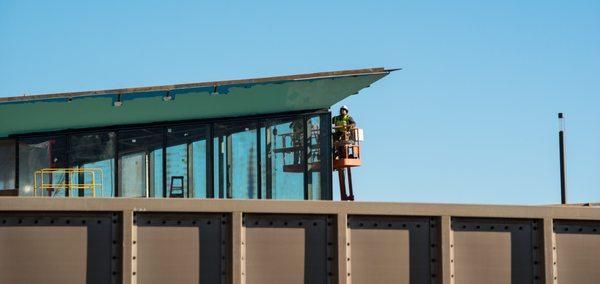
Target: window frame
15, 169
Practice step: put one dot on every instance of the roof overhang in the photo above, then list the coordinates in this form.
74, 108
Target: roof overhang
41, 113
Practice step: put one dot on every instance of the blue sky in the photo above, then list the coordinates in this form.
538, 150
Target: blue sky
471, 118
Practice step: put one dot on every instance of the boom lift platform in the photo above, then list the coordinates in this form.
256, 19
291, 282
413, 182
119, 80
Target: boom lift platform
346, 155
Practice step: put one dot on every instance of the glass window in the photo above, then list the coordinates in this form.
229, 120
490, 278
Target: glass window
318, 157
95, 154
42, 153
7, 164
282, 163
186, 160
140, 162
235, 159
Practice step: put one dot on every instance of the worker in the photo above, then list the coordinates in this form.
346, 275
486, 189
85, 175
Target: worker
343, 124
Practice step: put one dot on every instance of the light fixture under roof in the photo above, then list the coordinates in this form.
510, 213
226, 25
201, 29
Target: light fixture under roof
215, 90
118, 102
167, 97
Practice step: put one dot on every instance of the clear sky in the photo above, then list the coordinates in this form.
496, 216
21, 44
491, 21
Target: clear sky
471, 118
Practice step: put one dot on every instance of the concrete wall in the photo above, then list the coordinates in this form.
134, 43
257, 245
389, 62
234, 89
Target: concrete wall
75, 240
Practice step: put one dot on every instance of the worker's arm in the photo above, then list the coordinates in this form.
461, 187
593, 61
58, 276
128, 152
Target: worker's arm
351, 122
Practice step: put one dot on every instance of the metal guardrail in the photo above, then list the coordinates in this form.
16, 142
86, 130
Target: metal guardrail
350, 135
44, 180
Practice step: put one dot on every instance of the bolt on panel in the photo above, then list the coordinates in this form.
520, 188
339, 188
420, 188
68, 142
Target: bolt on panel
393, 249
496, 250
182, 247
288, 248
577, 251
60, 247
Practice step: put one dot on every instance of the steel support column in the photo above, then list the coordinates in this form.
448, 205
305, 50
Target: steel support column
237, 248
447, 273
550, 270
129, 248
343, 245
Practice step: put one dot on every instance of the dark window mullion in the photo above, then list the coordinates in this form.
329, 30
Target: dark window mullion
210, 191
116, 161
17, 164
258, 162
304, 154
66, 164
164, 161
221, 167
326, 156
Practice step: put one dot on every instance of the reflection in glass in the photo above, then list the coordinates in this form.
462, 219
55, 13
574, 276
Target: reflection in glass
140, 162
39, 153
235, 161
186, 159
313, 158
282, 166
94, 151
7, 164
319, 157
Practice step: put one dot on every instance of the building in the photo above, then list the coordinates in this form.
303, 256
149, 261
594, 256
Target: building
267, 138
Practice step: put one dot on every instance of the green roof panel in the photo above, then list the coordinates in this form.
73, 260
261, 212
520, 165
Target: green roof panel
20, 115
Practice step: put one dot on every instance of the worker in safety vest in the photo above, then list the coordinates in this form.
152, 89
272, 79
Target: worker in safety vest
342, 125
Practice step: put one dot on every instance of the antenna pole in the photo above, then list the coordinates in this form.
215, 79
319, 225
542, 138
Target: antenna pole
561, 147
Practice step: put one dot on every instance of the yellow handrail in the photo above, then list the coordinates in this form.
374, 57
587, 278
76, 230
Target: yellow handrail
41, 183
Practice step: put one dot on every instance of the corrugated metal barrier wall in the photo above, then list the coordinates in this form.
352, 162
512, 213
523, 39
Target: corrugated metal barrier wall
77, 240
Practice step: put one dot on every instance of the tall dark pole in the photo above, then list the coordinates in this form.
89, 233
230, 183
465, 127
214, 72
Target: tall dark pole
561, 147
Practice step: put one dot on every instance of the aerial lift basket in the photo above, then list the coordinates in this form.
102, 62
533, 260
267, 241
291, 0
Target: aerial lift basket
346, 156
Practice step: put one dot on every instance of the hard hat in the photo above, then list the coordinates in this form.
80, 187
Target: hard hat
344, 107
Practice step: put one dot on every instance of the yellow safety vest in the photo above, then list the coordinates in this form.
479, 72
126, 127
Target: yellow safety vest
340, 120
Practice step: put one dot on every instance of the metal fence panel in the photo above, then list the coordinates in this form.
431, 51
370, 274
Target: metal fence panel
182, 248
392, 249
59, 247
496, 250
288, 248
578, 251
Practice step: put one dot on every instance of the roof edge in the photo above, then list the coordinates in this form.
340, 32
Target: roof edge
306, 76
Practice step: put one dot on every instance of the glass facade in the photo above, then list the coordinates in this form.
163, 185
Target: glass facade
235, 159
282, 165
42, 153
7, 164
186, 160
318, 157
140, 162
96, 152
279, 157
